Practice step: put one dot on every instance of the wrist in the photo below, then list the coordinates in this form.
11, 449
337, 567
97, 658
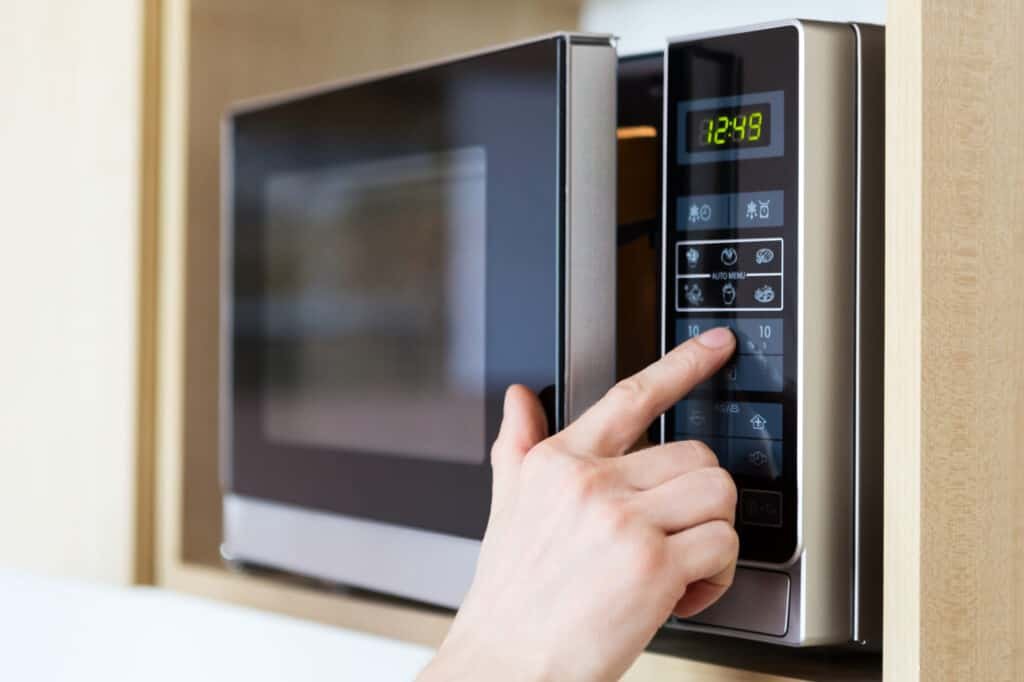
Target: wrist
458, 661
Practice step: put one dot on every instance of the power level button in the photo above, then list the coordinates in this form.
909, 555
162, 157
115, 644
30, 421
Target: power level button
761, 508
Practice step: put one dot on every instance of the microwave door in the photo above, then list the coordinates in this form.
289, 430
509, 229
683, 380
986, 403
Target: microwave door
398, 251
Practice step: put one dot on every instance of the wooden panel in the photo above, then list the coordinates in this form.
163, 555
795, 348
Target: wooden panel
146, 323
955, 316
70, 77
901, 613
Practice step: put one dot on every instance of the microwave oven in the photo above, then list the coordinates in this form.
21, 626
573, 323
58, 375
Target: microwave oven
399, 248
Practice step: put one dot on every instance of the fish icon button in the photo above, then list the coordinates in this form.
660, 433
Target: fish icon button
764, 256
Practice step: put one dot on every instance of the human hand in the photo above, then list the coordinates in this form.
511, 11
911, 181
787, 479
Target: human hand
589, 550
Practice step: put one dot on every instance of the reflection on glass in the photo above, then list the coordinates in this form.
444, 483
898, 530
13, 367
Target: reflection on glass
374, 308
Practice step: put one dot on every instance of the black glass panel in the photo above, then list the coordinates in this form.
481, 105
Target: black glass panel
395, 267
731, 239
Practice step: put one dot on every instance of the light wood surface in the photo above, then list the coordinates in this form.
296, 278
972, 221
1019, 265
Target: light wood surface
69, 151
902, 526
955, 328
146, 306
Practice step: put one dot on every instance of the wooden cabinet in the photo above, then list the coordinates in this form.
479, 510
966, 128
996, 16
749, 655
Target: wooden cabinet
954, 491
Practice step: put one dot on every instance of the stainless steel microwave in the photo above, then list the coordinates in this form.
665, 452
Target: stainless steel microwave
400, 248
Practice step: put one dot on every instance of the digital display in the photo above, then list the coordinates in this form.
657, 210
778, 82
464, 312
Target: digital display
750, 125
729, 128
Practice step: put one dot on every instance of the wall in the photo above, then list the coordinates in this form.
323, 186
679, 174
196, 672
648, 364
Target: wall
643, 25
70, 76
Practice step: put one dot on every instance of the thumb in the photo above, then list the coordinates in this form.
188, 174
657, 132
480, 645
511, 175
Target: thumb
523, 425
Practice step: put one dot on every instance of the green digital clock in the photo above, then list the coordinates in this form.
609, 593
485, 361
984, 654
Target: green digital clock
728, 128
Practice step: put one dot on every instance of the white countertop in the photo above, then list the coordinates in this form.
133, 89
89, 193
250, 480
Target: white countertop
52, 629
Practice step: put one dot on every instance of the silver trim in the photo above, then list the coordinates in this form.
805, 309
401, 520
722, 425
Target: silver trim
732, 611
735, 612
590, 237
739, 30
801, 195
264, 101
825, 368
411, 563
866, 608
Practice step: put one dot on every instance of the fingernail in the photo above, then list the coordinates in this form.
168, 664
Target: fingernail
719, 337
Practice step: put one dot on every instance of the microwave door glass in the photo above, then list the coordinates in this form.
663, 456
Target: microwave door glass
396, 248
375, 306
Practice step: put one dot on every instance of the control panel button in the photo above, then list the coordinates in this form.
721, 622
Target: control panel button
728, 418
731, 274
765, 292
747, 420
729, 256
719, 446
705, 211
721, 293
761, 508
750, 373
691, 292
759, 209
748, 256
745, 456
692, 258
755, 458
761, 336
733, 210
695, 418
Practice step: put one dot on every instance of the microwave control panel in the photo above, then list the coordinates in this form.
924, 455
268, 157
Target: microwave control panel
732, 198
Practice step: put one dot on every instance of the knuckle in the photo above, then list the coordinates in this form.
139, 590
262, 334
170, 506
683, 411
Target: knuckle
728, 579
649, 557
541, 463
543, 450
613, 517
725, 538
584, 479
703, 455
631, 394
685, 360
722, 488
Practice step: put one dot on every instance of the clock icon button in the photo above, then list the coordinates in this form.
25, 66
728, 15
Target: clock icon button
729, 256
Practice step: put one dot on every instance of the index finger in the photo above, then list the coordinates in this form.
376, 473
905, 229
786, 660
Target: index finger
613, 423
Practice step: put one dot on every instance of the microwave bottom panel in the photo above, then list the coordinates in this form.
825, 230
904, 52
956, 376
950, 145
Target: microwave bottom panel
411, 563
